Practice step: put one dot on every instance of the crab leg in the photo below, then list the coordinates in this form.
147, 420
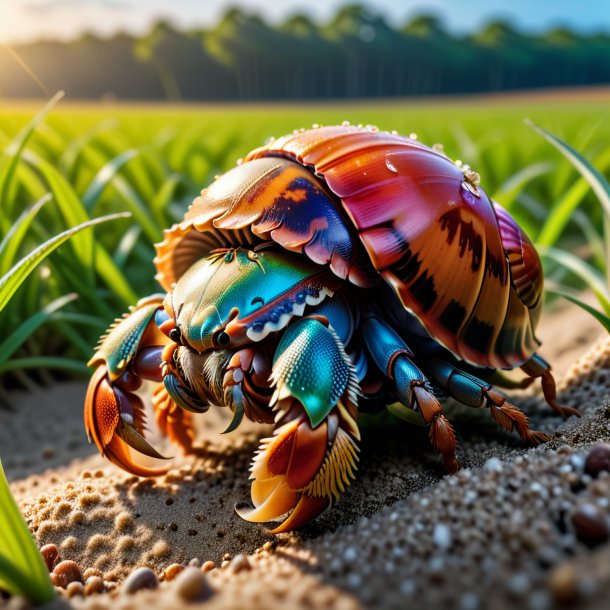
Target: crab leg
394, 358
311, 457
536, 367
473, 392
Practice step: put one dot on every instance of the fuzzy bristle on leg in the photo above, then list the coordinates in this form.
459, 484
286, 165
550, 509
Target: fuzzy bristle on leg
301, 470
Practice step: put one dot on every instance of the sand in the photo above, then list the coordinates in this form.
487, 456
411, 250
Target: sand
500, 534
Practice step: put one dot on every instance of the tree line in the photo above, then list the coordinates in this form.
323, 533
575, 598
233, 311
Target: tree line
357, 54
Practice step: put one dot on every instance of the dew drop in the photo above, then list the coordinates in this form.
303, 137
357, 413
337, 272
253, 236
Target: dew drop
390, 165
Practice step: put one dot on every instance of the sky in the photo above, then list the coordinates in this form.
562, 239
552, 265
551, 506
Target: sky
26, 20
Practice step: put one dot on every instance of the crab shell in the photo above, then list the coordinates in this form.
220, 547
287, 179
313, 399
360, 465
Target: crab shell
372, 205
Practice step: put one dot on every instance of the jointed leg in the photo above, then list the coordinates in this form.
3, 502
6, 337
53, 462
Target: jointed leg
537, 366
393, 357
473, 392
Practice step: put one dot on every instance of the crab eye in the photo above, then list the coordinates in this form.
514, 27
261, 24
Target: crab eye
175, 335
221, 338
256, 300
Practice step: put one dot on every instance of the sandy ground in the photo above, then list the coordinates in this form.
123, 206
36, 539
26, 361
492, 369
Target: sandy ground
516, 528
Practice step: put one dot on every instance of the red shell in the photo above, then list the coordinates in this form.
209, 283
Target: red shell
461, 265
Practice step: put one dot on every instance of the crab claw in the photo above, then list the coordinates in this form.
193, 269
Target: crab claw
301, 469
114, 421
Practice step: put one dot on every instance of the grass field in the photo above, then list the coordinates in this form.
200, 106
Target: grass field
151, 161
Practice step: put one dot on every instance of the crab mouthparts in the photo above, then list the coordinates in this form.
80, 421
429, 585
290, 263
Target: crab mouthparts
279, 315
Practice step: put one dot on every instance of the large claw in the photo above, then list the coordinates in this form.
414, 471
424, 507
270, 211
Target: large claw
114, 420
302, 470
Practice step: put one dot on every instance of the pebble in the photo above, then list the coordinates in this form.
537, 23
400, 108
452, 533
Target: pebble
192, 584
442, 536
590, 524
598, 460
141, 578
66, 572
172, 571
493, 464
563, 584
75, 589
18, 603
240, 563
208, 566
50, 554
94, 584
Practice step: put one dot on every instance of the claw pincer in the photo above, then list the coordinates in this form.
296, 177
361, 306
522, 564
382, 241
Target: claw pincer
114, 414
337, 269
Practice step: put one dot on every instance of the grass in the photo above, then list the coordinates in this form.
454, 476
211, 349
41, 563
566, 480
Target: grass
70, 163
22, 569
594, 273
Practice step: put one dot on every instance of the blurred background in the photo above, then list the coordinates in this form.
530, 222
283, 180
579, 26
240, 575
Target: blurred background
292, 49
161, 96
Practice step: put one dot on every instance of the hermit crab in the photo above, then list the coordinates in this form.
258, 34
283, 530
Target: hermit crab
336, 270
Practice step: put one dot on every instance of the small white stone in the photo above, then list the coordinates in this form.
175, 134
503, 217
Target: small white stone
442, 536
493, 464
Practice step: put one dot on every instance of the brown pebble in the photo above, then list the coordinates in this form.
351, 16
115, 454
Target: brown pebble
240, 563
195, 563
192, 584
47, 453
94, 584
141, 578
67, 571
590, 524
75, 588
172, 571
50, 554
598, 459
564, 585
208, 566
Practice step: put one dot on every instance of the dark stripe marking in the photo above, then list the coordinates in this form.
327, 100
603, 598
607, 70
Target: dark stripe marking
478, 335
453, 316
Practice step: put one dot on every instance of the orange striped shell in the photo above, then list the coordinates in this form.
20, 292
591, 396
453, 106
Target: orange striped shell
387, 204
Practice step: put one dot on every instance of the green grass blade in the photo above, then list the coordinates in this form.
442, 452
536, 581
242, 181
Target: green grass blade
126, 245
31, 325
603, 319
139, 209
590, 173
586, 272
113, 276
561, 212
14, 237
17, 547
71, 207
12, 154
512, 187
12, 579
46, 362
592, 237
15, 277
69, 158
105, 176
